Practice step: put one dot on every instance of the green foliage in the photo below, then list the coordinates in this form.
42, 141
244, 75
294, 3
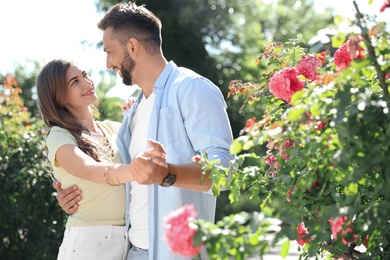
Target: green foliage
235, 235
31, 222
108, 107
326, 154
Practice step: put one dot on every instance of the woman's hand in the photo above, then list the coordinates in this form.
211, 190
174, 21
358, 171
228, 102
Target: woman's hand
128, 103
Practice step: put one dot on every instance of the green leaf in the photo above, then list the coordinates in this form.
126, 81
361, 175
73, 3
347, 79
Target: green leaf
248, 145
338, 40
296, 114
285, 248
361, 63
235, 147
351, 189
197, 240
297, 95
338, 19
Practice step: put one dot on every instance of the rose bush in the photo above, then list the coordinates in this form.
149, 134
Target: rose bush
325, 172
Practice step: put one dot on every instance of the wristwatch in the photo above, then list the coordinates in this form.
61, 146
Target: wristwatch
169, 180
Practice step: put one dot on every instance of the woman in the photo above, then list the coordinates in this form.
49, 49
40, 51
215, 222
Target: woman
82, 151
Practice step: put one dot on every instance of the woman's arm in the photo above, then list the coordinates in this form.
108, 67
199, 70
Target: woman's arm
79, 164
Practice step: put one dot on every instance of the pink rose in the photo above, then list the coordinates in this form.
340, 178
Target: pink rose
285, 83
349, 51
270, 159
303, 237
288, 143
342, 58
179, 231
308, 67
337, 227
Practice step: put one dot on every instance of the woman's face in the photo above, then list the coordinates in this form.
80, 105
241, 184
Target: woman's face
80, 92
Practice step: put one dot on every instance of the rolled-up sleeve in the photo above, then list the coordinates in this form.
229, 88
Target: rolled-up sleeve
206, 121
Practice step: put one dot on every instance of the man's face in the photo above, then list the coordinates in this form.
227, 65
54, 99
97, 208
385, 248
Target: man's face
127, 67
118, 58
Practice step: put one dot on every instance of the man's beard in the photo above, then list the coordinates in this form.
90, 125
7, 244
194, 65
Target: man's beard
127, 67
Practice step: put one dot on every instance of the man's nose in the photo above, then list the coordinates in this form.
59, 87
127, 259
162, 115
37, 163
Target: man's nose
108, 63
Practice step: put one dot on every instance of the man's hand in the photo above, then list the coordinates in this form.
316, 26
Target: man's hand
68, 198
150, 166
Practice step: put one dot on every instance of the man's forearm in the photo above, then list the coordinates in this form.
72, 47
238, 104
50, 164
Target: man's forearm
189, 176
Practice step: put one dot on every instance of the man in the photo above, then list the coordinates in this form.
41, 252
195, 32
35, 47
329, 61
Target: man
177, 107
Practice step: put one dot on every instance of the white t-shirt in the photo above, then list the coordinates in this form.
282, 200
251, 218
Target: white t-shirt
138, 209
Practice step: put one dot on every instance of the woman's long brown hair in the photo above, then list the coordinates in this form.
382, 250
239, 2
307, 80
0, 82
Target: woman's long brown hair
51, 89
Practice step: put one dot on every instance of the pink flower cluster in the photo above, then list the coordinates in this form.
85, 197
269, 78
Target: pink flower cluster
285, 83
179, 231
308, 67
349, 51
338, 229
303, 234
271, 159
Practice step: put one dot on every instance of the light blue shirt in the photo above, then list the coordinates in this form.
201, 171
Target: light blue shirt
189, 117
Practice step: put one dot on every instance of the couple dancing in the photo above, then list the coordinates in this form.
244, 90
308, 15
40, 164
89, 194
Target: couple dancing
177, 115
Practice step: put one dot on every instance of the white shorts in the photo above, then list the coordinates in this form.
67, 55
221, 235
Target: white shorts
94, 242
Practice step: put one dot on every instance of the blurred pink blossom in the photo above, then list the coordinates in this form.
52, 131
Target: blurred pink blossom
308, 67
349, 51
342, 58
303, 237
337, 227
285, 83
270, 159
179, 231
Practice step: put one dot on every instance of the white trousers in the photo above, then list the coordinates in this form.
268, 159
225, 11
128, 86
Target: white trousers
94, 242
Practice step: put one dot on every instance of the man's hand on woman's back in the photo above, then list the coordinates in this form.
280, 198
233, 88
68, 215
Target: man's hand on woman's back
68, 198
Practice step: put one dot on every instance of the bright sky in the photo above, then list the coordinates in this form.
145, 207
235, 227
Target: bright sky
46, 29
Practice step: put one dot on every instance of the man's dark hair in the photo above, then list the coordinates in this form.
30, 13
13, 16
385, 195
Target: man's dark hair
131, 21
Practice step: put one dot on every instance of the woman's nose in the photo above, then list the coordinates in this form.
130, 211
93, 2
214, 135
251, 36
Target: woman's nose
88, 82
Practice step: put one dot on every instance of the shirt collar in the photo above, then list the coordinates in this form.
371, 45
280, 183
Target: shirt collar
163, 78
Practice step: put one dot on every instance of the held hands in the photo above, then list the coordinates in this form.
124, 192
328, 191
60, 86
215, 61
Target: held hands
150, 166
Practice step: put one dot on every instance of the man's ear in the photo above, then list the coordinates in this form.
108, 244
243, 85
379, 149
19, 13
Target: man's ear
133, 46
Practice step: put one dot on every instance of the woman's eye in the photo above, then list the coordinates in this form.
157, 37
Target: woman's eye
75, 82
85, 75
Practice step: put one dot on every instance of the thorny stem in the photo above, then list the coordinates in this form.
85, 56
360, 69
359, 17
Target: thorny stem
371, 52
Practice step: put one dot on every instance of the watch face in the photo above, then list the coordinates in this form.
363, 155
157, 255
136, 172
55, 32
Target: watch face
169, 180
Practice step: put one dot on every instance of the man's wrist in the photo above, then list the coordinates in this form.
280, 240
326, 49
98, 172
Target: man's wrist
169, 179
